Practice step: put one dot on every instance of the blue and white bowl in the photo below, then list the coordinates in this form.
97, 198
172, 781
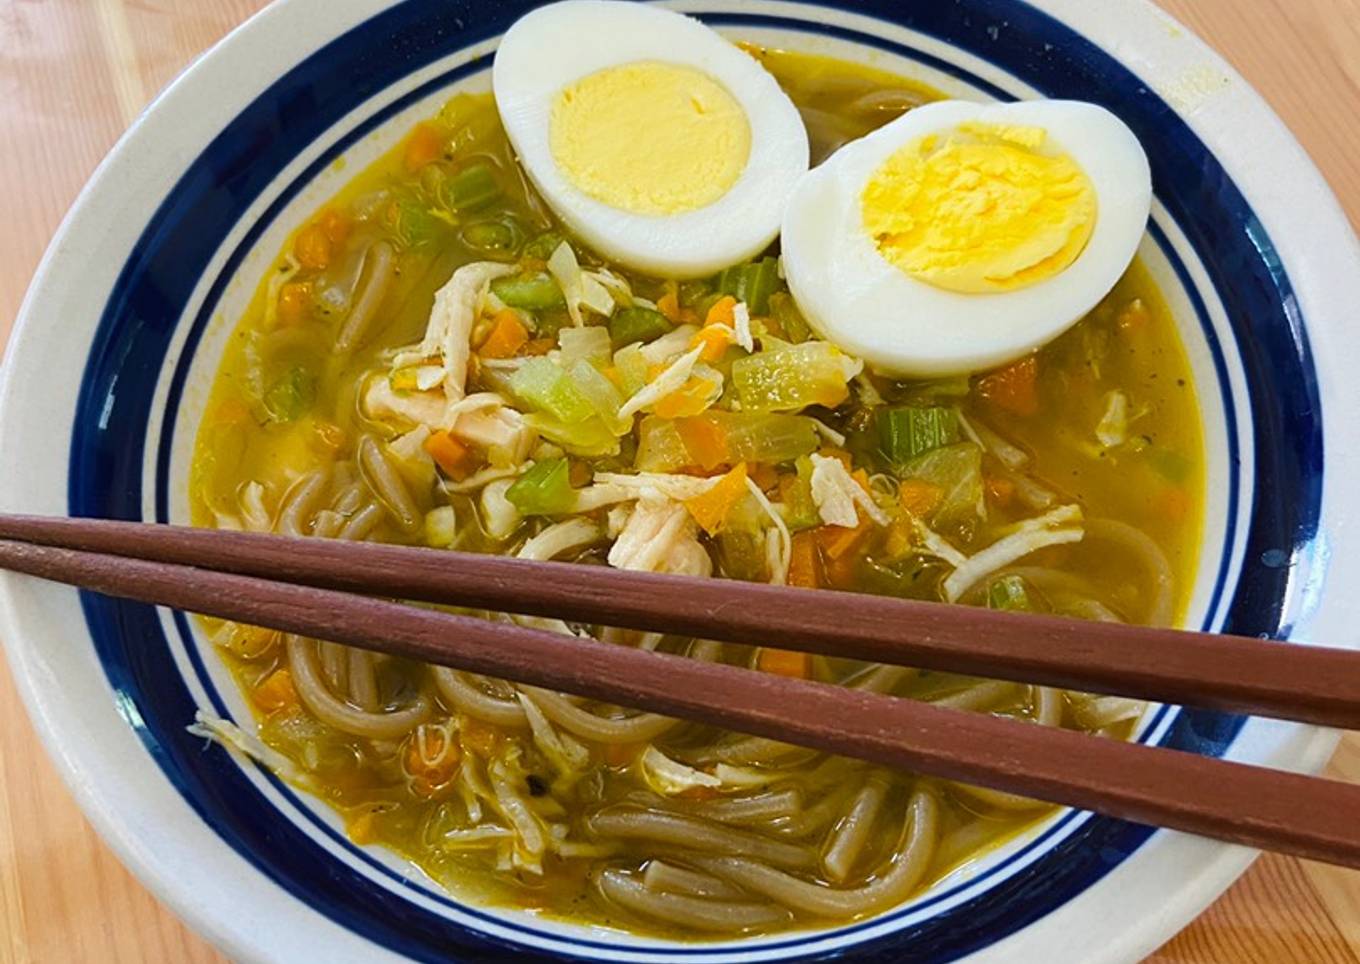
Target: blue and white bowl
109, 368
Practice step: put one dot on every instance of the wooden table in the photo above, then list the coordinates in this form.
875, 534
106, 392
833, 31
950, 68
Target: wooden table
74, 74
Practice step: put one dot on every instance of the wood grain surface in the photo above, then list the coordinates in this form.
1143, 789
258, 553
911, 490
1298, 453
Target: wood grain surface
75, 73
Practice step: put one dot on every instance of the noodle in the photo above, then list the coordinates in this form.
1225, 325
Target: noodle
311, 689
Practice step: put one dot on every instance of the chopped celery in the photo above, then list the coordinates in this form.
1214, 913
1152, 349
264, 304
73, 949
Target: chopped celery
290, 397
540, 384
589, 343
545, 489
417, 225
741, 543
543, 246
660, 447
907, 431
717, 438
493, 237
813, 373
757, 437
629, 325
471, 188
590, 438
1173, 466
536, 291
1009, 593
632, 367
786, 315
800, 511
602, 394
956, 470
692, 292
752, 283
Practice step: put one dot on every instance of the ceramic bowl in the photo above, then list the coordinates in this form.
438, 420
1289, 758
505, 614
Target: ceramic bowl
109, 366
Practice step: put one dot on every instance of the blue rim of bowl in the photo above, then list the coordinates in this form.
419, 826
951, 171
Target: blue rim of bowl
134, 333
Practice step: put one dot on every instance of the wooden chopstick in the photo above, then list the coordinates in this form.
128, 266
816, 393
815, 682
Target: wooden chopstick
1311, 684
1304, 816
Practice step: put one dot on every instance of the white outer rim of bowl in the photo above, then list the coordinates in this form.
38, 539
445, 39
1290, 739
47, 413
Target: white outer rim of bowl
1287, 192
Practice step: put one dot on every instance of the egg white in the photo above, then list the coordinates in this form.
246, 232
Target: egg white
556, 45
860, 301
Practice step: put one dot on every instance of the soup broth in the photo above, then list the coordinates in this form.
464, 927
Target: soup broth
514, 796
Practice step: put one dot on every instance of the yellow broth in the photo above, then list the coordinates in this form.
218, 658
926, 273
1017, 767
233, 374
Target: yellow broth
284, 404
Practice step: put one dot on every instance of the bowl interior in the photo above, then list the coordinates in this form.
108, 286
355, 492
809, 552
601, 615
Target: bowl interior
187, 280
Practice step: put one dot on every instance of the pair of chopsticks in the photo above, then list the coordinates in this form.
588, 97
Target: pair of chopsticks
324, 589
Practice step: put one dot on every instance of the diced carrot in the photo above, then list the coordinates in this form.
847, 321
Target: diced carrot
722, 312
692, 398
842, 572
539, 346
711, 508
508, 336
579, 474
837, 541
1174, 503
424, 145
784, 662
715, 339
295, 302
1134, 316
449, 454
621, 754
705, 441
1014, 388
766, 476
999, 489
360, 829
669, 305
336, 224
276, 692
481, 738
805, 561
313, 247
918, 497
699, 793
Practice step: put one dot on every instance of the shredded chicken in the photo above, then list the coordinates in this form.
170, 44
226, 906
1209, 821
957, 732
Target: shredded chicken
837, 494
660, 536
1062, 525
668, 381
451, 320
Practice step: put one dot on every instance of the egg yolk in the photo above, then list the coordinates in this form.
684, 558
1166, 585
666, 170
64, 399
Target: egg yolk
982, 209
650, 137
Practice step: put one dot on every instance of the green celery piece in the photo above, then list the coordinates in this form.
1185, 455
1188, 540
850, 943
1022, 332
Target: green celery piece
590, 439
602, 394
416, 225
957, 471
1009, 593
543, 246
471, 188
540, 384
291, 396
535, 292
545, 489
495, 237
790, 378
785, 312
800, 511
765, 437
907, 431
660, 447
752, 283
635, 324
632, 367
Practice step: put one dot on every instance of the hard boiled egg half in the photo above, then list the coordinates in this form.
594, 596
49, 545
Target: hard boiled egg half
658, 143
962, 236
